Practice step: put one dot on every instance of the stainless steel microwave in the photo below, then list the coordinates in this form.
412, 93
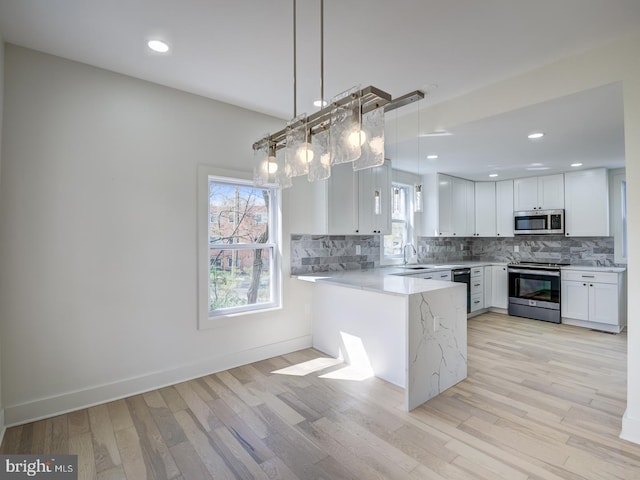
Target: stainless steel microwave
539, 222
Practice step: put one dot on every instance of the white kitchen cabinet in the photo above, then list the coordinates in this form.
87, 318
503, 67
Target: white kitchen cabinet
485, 209
539, 193
477, 289
488, 285
593, 299
342, 198
499, 287
587, 203
449, 206
359, 202
374, 199
445, 205
463, 207
504, 208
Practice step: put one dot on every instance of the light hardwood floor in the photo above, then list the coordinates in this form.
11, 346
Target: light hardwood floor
542, 401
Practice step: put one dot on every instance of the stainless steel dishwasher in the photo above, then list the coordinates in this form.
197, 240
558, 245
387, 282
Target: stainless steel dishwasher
463, 275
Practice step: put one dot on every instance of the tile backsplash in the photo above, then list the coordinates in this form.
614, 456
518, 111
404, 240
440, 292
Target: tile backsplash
331, 253
592, 251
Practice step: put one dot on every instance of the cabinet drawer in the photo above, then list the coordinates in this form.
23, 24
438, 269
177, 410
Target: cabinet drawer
477, 271
476, 286
444, 276
588, 276
477, 302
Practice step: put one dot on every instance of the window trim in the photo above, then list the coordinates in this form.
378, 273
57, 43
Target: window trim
205, 320
397, 259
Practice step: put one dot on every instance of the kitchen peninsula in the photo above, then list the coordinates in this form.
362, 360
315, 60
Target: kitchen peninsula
408, 331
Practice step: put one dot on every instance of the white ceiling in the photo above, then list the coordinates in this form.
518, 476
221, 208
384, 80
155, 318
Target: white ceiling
241, 52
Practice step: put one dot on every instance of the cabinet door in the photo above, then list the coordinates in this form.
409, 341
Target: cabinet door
587, 203
488, 285
603, 303
551, 192
485, 207
382, 182
574, 301
462, 207
504, 208
374, 197
499, 287
445, 188
342, 200
525, 193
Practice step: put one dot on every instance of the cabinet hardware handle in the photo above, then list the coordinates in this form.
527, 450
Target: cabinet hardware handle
588, 276
584, 284
591, 284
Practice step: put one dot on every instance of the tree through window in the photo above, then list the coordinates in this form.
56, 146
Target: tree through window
242, 233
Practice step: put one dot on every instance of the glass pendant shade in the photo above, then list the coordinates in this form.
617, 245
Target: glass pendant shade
417, 201
373, 145
298, 150
345, 137
261, 175
282, 175
320, 164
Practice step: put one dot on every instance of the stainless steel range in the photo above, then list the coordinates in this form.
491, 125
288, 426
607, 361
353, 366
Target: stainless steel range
534, 290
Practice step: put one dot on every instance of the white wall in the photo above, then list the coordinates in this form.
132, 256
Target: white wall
1, 317
98, 237
614, 62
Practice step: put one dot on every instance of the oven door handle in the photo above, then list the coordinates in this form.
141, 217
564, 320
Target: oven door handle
548, 273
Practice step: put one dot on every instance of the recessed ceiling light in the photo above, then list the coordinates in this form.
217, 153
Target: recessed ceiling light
535, 135
536, 165
576, 164
432, 157
320, 103
537, 168
493, 175
158, 46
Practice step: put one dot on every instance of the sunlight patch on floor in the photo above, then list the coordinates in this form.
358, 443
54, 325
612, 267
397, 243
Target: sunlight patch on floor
310, 366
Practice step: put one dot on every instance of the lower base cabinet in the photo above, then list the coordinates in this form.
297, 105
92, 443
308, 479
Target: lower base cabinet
594, 299
499, 287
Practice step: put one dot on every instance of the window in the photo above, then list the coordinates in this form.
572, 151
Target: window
239, 262
400, 222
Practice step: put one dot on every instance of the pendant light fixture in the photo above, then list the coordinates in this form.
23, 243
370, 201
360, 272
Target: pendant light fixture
349, 129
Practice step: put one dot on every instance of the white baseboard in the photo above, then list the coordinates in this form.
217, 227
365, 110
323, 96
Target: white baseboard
630, 428
602, 327
2, 427
71, 401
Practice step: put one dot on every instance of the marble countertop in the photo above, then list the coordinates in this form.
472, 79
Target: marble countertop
587, 268
379, 280
400, 280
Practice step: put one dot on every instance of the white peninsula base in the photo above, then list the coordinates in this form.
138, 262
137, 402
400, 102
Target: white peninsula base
416, 340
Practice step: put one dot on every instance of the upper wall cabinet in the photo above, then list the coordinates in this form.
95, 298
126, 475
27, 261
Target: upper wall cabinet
504, 208
539, 193
587, 203
485, 209
449, 206
374, 199
359, 202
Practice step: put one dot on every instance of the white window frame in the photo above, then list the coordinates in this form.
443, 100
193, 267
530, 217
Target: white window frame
398, 259
207, 319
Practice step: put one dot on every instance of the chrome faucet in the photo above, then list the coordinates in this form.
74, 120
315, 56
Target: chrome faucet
404, 252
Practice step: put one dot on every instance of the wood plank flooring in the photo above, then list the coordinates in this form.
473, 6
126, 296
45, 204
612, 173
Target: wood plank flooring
542, 401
